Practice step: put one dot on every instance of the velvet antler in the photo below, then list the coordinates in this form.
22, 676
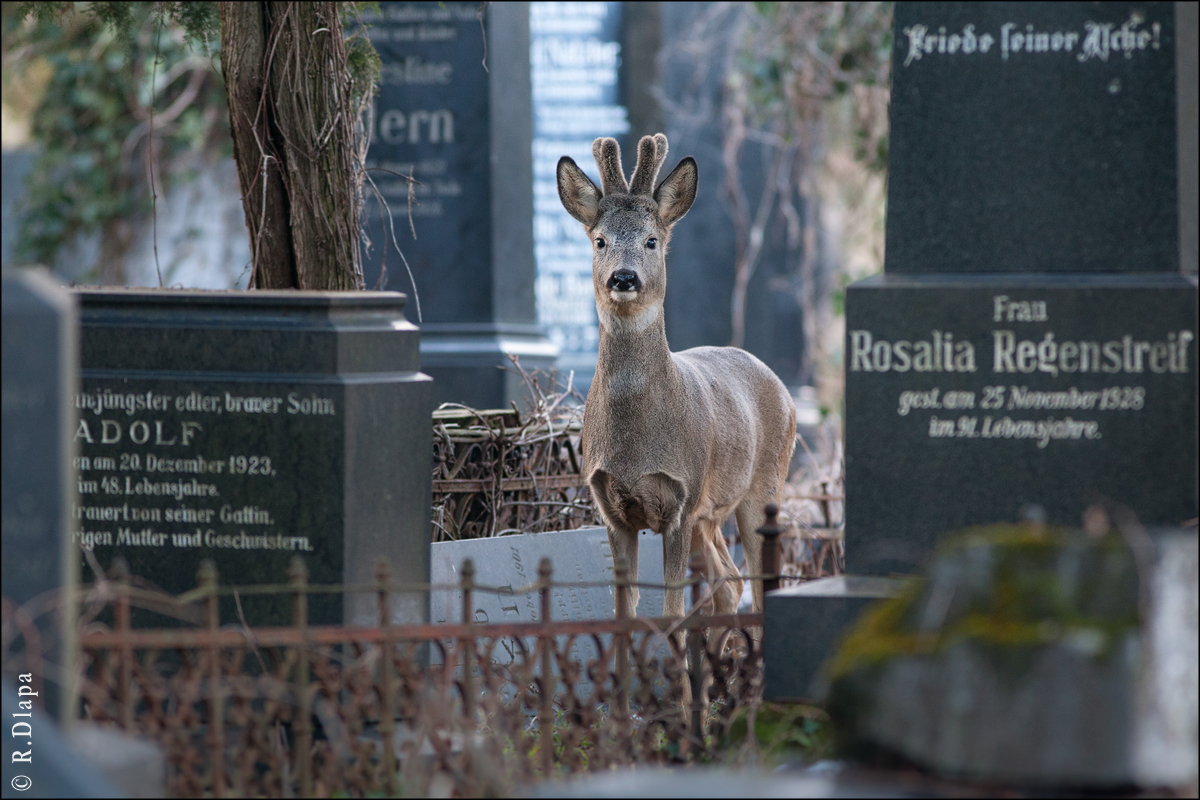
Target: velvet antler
652, 152
607, 153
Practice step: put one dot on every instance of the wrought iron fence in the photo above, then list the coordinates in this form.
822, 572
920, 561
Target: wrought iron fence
414, 709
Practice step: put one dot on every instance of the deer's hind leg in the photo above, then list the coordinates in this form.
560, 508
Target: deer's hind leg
750, 517
719, 570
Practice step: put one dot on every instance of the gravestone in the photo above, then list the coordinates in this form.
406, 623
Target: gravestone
580, 556
822, 609
1032, 340
249, 428
1033, 139
453, 114
41, 341
576, 55
577, 556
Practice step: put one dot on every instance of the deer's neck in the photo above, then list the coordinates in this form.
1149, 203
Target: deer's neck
633, 356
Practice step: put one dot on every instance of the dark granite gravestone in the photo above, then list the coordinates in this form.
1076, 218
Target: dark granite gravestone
251, 427
971, 396
41, 354
453, 112
1032, 341
822, 609
1033, 138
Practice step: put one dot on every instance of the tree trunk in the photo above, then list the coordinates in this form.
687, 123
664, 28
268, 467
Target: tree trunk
297, 143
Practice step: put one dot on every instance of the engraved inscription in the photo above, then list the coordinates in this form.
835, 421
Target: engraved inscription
1012, 353
147, 478
1095, 40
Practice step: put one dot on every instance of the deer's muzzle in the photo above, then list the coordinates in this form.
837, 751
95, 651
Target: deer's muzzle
624, 280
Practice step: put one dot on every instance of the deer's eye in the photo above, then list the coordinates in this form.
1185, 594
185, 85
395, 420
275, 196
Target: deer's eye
599, 242
651, 243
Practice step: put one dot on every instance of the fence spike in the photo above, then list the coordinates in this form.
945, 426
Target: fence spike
207, 578
770, 550
119, 571
467, 576
387, 665
298, 578
546, 715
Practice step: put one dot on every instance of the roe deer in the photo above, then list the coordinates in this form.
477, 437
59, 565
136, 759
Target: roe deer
674, 442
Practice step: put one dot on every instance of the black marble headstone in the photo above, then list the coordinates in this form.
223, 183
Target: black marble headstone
251, 427
453, 114
1032, 341
969, 397
41, 352
1033, 137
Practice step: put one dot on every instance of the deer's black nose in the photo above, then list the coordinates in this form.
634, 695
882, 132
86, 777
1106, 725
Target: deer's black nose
624, 280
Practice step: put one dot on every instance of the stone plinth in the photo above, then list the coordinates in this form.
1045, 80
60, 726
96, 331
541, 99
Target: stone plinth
251, 427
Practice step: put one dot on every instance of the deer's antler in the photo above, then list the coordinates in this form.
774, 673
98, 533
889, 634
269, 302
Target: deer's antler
652, 152
607, 153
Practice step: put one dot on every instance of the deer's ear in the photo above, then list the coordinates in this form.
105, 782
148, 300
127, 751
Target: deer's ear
677, 192
579, 195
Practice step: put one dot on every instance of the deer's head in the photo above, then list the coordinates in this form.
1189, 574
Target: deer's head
629, 224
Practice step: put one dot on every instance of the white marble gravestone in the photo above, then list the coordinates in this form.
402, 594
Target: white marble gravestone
578, 556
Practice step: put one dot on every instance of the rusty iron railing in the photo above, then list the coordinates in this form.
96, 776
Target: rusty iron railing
316, 711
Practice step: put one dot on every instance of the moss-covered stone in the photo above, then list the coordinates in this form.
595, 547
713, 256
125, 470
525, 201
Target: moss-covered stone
1031, 653
1004, 587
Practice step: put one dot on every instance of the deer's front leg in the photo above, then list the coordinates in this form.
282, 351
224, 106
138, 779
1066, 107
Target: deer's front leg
624, 545
677, 547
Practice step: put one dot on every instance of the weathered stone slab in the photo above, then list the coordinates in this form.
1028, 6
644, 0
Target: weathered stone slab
1035, 656
1033, 137
135, 765
970, 396
804, 625
581, 556
251, 427
41, 357
707, 781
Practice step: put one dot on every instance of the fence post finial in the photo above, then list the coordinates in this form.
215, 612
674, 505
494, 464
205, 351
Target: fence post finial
298, 579
770, 551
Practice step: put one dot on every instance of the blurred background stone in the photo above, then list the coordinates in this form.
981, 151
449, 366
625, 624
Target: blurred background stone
1034, 656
